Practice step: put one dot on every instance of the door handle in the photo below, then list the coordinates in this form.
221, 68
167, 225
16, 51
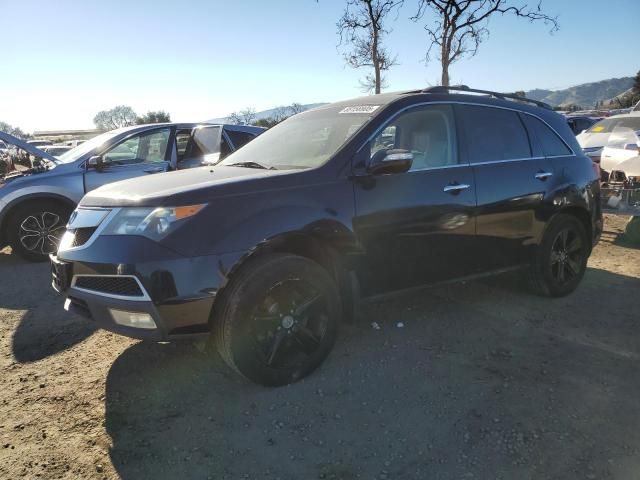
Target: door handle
154, 170
543, 175
454, 188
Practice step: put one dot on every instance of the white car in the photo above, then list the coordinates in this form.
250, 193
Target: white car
614, 137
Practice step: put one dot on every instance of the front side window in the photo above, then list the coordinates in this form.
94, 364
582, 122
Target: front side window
551, 144
427, 132
494, 134
147, 147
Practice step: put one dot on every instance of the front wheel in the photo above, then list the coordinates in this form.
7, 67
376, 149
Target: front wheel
35, 229
278, 318
561, 259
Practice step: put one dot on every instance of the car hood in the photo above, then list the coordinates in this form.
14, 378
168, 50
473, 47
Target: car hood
631, 166
591, 140
193, 185
35, 151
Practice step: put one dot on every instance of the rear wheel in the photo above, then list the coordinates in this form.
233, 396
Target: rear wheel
277, 320
35, 229
561, 260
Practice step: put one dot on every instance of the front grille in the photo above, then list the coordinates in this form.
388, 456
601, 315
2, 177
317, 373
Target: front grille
117, 285
82, 235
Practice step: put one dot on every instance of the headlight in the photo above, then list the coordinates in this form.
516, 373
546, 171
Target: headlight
153, 223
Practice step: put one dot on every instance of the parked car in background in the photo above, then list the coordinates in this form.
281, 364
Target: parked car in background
38, 143
578, 124
266, 251
56, 150
35, 203
597, 136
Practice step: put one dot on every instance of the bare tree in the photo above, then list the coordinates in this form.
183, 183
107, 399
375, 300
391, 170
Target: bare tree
295, 108
362, 26
235, 118
460, 26
248, 115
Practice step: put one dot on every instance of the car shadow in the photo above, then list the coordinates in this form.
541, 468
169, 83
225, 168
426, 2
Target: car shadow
478, 377
44, 328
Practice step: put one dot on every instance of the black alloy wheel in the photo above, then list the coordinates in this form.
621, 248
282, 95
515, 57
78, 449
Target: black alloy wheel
566, 259
277, 319
290, 323
560, 261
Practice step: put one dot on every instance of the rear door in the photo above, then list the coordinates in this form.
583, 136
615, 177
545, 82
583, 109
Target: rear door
416, 227
512, 181
141, 154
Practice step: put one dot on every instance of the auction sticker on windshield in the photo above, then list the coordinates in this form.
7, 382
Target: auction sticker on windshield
360, 109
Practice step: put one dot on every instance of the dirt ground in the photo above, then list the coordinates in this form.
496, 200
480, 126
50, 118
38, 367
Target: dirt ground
482, 380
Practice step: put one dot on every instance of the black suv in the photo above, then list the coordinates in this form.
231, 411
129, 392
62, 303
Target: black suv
268, 250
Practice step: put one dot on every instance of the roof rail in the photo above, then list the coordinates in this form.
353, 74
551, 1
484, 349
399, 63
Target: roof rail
501, 96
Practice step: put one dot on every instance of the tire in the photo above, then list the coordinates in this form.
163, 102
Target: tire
561, 259
277, 319
34, 229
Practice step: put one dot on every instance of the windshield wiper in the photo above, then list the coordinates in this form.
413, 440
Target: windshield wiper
251, 165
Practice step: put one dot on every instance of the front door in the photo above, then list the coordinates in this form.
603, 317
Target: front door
416, 227
141, 154
512, 180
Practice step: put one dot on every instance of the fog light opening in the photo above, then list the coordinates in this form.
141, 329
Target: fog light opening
132, 319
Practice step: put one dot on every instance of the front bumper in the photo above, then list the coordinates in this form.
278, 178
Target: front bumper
176, 292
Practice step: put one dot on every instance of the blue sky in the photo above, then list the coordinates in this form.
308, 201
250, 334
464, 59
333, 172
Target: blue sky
66, 60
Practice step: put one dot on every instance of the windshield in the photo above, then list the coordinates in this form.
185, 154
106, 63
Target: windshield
84, 148
306, 140
608, 125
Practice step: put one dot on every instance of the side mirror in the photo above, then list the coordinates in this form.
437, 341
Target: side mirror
391, 161
97, 162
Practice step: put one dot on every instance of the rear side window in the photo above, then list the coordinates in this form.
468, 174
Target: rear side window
239, 139
551, 144
494, 134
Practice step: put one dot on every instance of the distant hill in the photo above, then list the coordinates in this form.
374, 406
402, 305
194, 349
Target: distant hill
585, 95
266, 113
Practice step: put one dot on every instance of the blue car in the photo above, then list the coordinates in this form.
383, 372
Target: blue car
35, 203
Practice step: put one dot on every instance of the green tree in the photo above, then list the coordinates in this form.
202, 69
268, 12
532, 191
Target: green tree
15, 131
154, 117
117, 117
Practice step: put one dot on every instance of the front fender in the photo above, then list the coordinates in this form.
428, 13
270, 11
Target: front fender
241, 223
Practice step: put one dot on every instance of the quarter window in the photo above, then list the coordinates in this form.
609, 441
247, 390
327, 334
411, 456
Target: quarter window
427, 132
551, 144
494, 134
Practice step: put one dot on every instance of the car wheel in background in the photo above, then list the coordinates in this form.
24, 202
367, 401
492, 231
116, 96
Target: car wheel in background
561, 260
277, 319
34, 229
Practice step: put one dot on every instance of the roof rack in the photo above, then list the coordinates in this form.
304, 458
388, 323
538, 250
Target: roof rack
501, 96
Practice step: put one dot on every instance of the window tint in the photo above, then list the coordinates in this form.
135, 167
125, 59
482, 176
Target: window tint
239, 138
148, 147
206, 140
428, 133
494, 134
551, 144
